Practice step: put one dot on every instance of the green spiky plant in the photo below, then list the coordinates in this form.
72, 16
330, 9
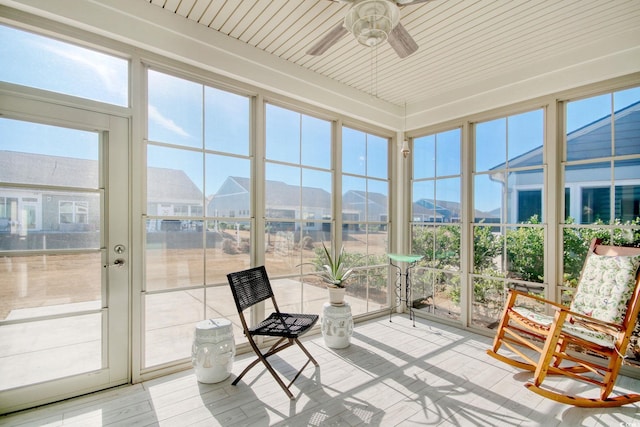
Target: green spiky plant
334, 272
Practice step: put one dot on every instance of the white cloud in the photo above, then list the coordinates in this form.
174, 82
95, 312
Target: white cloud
94, 61
156, 117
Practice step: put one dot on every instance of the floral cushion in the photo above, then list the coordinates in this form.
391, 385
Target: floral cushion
606, 285
576, 330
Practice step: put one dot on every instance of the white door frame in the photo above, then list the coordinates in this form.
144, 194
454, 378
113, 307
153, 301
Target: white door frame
115, 184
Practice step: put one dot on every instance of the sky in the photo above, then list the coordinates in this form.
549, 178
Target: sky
185, 114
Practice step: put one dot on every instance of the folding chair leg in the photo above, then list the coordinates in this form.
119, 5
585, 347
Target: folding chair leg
297, 341
275, 348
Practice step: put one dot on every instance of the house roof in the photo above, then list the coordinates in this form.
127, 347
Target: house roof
38, 169
279, 193
593, 140
372, 197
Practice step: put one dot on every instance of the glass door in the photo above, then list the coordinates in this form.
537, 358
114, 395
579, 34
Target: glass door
64, 252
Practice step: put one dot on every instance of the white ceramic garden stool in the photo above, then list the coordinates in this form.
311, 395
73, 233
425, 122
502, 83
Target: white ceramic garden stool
337, 325
213, 350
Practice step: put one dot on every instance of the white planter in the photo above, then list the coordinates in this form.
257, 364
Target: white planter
336, 296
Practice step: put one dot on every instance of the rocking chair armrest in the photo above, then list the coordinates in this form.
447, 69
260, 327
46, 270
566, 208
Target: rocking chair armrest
590, 322
537, 298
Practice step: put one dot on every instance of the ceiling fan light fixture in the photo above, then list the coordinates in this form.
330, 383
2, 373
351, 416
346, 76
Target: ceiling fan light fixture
371, 21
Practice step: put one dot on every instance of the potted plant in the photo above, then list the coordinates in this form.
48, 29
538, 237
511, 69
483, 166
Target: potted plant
334, 273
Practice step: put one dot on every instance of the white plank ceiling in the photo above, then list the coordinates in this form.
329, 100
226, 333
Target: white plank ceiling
463, 43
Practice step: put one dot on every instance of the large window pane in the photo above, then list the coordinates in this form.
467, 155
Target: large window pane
448, 153
174, 256
509, 187
424, 152
226, 121
491, 144
298, 200
436, 293
377, 156
365, 217
626, 105
175, 110
282, 194
437, 205
315, 199
169, 337
524, 246
377, 200
34, 216
198, 223
283, 134
228, 248
354, 151
589, 128
38, 154
40, 281
366, 246
525, 195
315, 134
31, 60
525, 135
589, 187
602, 189
174, 182
71, 346
487, 301
487, 196
228, 185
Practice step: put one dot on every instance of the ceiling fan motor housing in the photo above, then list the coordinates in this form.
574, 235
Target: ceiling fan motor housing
371, 21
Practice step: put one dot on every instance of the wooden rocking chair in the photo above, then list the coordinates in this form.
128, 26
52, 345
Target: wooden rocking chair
586, 341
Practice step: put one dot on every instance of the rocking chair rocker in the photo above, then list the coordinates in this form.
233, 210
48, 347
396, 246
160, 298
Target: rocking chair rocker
586, 341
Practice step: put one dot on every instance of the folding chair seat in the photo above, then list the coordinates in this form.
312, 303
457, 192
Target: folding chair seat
249, 287
586, 341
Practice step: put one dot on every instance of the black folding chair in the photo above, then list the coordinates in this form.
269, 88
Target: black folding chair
252, 286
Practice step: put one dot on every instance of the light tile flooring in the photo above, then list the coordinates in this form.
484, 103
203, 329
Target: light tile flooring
392, 374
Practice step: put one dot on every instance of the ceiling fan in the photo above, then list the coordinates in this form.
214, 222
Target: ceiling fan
372, 22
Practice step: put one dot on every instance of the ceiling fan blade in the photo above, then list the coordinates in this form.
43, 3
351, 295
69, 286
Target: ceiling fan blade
328, 40
401, 41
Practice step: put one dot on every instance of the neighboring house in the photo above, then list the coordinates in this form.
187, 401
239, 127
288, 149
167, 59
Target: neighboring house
424, 210
171, 192
587, 187
362, 206
24, 210
47, 207
283, 202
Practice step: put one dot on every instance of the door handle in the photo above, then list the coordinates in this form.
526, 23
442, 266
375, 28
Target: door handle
117, 263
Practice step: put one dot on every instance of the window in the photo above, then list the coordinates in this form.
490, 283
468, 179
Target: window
198, 181
74, 212
298, 189
601, 176
365, 209
435, 227
30, 60
508, 233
